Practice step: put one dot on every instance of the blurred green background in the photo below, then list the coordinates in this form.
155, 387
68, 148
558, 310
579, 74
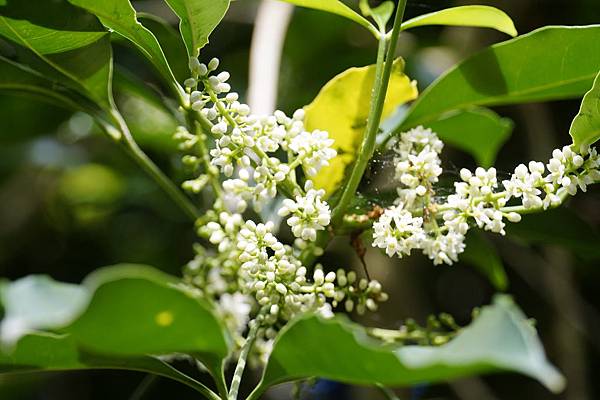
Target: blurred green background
71, 202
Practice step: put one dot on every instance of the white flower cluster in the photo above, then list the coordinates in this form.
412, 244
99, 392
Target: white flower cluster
418, 164
309, 213
418, 222
247, 143
248, 161
254, 270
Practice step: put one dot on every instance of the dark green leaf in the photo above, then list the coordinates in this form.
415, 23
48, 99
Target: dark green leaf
18, 78
560, 226
478, 131
171, 43
547, 64
198, 19
585, 129
48, 28
477, 16
501, 338
482, 255
48, 352
80, 63
150, 122
120, 16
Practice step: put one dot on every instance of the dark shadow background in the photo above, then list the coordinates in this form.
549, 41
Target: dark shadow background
70, 202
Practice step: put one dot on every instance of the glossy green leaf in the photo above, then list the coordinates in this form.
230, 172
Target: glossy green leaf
81, 63
120, 16
36, 25
144, 312
547, 64
37, 302
561, 227
500, 339
154, 317
341, 108
482, 255
335, 7
585, 129
477, 16
49, 352
198, 18
477, 131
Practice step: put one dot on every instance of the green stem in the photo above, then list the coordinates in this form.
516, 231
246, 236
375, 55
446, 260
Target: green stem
132, 148
241, 364
213, 176
388, 393
365, 151
562, 194
383, 72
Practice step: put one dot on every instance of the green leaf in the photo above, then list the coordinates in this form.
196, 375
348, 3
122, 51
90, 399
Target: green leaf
133, 311
81, 63
478, 131
18, 78
198, 18
381, 14
49, 352
38, 302
585, 128
482, 255
336, 7
171, 42
58, 27
547, 64
151, 124
560, 226
342, 107
120, 16
478, 16
500, 339
154, 317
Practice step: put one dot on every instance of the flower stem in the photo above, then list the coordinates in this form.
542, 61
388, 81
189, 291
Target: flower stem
132, 148
199, 131
383, 70
241, 364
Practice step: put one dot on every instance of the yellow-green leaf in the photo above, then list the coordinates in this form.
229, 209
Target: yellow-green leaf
478, 16
342, 107
335, 7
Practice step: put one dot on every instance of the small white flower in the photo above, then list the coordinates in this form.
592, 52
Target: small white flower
314, 148
488, 218
444, 248
417, 139
309, 214
398, 232
525, 183
235, 309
